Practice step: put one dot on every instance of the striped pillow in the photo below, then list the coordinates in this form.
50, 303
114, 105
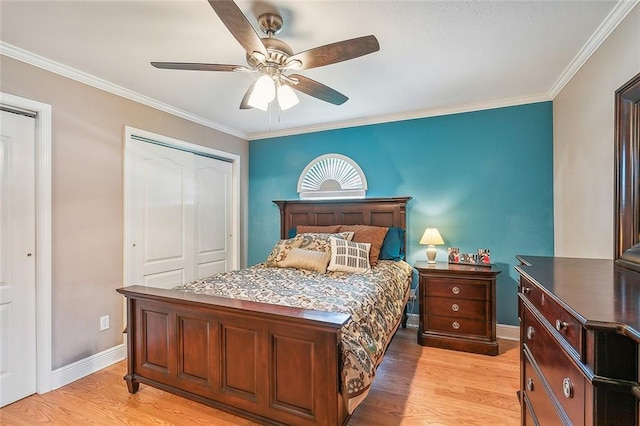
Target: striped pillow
347, 256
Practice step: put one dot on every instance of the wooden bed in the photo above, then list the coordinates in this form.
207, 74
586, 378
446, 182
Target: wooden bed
272, 364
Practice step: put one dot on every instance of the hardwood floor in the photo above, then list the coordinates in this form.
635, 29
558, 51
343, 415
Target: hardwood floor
415, 385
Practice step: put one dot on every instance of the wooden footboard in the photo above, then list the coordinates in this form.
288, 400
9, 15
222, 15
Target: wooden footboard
272, 364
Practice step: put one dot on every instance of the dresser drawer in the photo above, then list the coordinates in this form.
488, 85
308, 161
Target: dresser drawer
460, 288
566, 325
457, 307
563, 376
453, 325
544, 408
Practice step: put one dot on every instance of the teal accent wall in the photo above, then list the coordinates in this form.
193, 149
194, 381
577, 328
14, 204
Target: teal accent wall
484, 179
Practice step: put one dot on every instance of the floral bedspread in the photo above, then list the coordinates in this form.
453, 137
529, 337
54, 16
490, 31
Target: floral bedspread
374, 300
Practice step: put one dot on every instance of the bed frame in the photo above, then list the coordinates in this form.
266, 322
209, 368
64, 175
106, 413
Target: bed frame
272, 364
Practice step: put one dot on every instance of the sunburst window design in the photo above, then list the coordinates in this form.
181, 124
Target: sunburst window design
332, 176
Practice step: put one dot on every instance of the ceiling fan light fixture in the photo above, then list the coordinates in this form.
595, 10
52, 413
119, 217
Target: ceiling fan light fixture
263, 93
286, 97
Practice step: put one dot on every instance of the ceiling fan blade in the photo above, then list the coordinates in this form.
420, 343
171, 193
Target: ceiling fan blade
317, 90
235, 21
336, 52
198, 66
245, 100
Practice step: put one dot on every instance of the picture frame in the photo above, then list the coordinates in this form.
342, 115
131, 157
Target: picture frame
454, 254
481, 258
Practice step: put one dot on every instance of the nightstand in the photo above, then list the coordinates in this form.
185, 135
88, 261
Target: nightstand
457, 305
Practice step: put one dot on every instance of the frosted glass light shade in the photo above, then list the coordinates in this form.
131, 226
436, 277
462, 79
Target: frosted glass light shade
263, 92
286, 97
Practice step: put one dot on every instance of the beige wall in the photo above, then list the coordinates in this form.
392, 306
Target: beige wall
87, 198
583, 120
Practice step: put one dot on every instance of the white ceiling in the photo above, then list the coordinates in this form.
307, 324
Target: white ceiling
435, 56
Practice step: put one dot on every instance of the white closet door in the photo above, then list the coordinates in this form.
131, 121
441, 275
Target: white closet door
162, 210
179, 216
213, 209
17, 258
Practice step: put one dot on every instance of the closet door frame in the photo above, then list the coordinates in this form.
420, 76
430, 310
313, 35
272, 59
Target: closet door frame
132, 134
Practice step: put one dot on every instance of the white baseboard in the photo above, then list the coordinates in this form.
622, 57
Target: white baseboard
503, 331
79, 369
508, 332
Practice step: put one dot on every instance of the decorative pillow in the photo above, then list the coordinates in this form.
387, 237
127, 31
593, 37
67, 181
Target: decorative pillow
347, 256
320, 242
281, 249
393, 245
325, 229
306, 259
368, 234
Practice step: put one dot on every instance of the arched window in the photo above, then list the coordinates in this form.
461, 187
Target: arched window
332, 176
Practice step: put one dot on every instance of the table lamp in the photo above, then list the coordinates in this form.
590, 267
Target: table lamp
431, 237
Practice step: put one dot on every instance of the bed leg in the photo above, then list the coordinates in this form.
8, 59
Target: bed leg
132, 385
405, 317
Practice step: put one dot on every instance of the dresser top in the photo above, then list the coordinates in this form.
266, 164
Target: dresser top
596, 291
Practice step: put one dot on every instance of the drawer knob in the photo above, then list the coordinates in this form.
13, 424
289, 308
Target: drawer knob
530, 332
455, 307
561, 325
530, 384
526, 290
456, 325
455, 290
567, 388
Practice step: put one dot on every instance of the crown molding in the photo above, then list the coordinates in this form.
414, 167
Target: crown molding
611, 22
411, 115
19, 54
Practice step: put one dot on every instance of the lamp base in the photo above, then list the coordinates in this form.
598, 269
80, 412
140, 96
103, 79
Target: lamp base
431, 254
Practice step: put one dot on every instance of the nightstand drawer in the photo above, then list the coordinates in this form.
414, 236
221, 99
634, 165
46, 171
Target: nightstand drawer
566, 325
458, 308
461, 288
453, 325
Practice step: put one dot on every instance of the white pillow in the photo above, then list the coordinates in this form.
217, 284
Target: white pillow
347, 256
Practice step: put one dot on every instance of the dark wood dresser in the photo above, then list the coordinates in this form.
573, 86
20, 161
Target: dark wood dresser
457, 305
579, 335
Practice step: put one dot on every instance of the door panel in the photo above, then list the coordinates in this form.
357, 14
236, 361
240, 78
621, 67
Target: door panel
162, 246
17, 258
213, 215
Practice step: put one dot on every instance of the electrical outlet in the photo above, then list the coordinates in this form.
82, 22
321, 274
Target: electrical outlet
104, 323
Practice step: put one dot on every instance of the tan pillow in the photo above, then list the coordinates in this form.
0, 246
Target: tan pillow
281, 249
347, 256
368, 234
306, 259
325, 229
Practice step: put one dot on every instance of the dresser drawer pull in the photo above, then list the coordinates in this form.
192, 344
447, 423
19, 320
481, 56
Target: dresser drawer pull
530, 332
567, 388
526, 290
455, 290
561, 325
455, 325
530, 384
455, 307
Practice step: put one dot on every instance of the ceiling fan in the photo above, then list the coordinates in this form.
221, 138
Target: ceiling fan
274, 59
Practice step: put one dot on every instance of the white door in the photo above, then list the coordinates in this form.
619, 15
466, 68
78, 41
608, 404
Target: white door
213, 221
180, 215
17, 257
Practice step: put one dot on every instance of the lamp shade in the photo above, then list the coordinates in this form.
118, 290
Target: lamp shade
263, 92
286, 97
431, 236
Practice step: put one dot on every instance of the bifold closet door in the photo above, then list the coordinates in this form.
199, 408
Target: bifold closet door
179, 215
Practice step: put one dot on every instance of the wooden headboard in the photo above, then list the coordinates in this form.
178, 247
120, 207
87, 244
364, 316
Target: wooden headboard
366, 211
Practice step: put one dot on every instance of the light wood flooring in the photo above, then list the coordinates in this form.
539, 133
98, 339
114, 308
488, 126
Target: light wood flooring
415, 385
